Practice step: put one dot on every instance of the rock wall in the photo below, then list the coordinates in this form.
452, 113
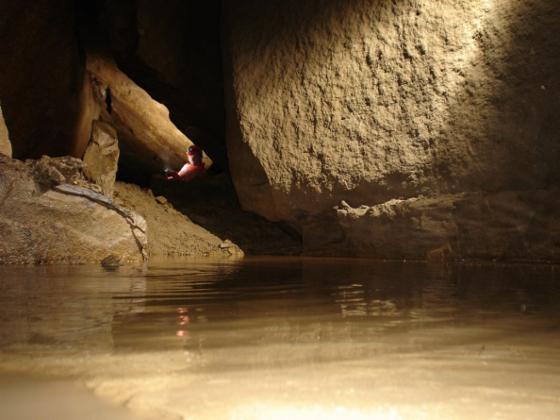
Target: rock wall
509, 225
372, 100
41, 75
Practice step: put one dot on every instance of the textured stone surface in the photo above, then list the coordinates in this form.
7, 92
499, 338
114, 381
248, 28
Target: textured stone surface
366, 101
143, 125
211, 202
512, 225
45, 221
172, 233
101, 158
5, 144
369, 101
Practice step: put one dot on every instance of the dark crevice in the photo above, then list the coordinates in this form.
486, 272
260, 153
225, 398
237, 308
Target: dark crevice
108, 101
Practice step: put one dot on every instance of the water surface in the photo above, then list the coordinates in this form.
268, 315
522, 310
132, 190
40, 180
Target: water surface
285, 338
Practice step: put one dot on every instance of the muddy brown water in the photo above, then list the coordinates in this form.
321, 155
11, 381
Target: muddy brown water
280, 338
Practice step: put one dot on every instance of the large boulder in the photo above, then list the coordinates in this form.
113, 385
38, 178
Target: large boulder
368, 101
5, 144
49, 214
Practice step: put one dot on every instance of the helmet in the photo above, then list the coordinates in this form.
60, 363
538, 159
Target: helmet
194, 151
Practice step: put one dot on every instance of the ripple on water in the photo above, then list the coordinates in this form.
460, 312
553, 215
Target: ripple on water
307, 338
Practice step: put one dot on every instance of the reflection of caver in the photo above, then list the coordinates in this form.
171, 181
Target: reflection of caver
183, 319
193, 168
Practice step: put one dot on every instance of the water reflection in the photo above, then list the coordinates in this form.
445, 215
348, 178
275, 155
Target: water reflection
361, 307
59, 305
369, 336
132, 310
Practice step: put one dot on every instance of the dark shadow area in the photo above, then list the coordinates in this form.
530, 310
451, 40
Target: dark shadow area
41, 76
174, 53
212, 203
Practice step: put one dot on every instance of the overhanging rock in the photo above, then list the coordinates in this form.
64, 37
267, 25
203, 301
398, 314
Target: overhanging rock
144, 128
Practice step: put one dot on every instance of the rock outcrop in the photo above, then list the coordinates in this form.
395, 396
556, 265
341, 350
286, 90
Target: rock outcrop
510, 226
372, 101
101, 158
5, 144
49, 214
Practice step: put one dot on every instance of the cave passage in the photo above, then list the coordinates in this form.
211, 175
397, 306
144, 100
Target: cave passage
174, 52
418, 137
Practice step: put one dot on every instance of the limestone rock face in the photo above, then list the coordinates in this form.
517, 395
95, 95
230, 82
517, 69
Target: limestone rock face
5, 145
101, 158
44, 219
369, 101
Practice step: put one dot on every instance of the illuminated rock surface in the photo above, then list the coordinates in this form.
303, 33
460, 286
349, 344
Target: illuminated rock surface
51, 214
521, 226
371, 101
47, 218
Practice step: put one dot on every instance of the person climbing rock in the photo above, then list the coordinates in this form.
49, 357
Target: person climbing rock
193, 168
